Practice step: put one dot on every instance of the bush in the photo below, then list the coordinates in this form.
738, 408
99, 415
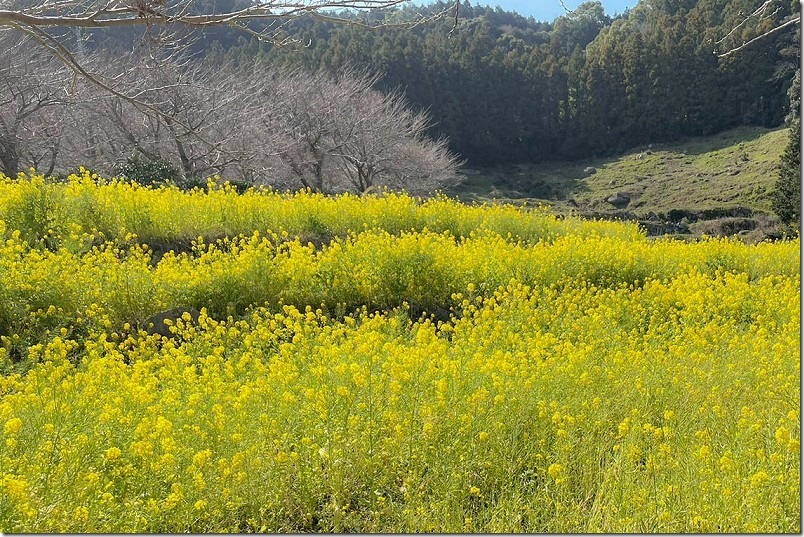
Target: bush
147, 172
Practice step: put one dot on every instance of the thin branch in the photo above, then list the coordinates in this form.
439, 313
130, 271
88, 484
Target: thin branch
455, 24
758, 11
761, 36
66, 57
139, 15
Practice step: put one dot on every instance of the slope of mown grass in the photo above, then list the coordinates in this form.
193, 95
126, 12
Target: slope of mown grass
733, 169
587, 379
736, 168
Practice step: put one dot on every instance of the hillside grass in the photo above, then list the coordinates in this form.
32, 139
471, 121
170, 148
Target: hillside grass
732, 169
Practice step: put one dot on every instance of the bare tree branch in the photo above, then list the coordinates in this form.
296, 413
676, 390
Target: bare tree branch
762, 13
763, 35
759, 11
65, 56
152, 12
32, 105
455, 23
44, 19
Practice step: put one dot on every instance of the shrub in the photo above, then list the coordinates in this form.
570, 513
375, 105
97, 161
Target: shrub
148, 172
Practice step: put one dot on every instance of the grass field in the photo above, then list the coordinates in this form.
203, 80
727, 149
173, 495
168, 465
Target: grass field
386, 364
720, 173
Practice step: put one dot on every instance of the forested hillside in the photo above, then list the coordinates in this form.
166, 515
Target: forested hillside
336, 107
504, 88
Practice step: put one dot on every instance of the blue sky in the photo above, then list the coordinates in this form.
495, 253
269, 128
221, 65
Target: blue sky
548, 10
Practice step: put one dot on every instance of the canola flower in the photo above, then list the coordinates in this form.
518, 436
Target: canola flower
534, 400
46, 292
588, 382
87, 210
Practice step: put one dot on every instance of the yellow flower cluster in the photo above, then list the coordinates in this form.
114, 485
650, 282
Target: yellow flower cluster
86, 210
587, 383
48, 292
533, 400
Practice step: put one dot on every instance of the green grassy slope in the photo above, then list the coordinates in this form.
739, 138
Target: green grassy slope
716, 174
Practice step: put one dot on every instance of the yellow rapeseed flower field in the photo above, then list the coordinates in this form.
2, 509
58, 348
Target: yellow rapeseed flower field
585, 379
86, 210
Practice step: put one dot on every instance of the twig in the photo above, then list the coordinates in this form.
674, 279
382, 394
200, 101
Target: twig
455, 24
761, 36
759, 10
66, 57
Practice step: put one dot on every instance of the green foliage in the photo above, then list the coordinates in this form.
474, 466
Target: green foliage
787, 197
506, 89
146, 171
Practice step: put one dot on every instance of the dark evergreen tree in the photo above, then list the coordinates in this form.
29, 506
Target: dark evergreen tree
787, 196
504, 88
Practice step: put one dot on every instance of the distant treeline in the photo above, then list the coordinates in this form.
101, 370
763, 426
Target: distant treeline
505, 88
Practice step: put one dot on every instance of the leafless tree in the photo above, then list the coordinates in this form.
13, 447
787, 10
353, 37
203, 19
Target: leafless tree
383, 142
303, 117
165, 21
34, 90
55, 25
180, 112
201, 112
339, 134
248, 123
